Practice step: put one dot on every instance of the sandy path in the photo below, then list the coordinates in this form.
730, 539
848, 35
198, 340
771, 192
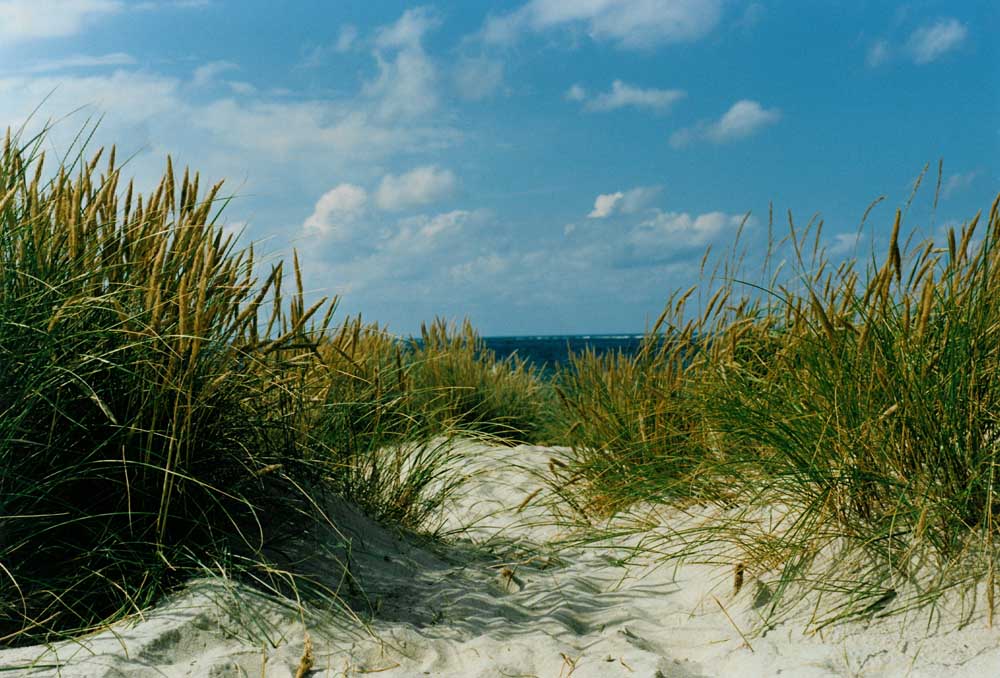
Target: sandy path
498, 603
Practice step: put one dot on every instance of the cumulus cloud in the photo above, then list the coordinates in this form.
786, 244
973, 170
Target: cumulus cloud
930, 42
622, 202
623, 95
421, 233
743, 119
406, 85
632, 24
336, 211
22, 20
605, 204
373, 255
669, 235
419, 186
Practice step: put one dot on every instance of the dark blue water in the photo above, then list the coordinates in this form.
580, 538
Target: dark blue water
549, 352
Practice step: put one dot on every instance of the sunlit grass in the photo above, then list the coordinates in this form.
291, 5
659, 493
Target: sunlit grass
859, 401
164, 413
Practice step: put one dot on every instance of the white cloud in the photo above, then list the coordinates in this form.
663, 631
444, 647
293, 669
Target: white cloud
83, 61
637, 198
134, 97
478, 78
930, 42
285, 144
22, 20
958, 182
659, 237
633, 24
423, 232
743, 119
407, 84
208, 73
622, 202
336, 211
605, 204
419, 186
309, 128
426, 251
346, 38
576, 93
622, 95
408, 31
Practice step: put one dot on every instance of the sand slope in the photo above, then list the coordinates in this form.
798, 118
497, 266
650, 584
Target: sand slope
498, 602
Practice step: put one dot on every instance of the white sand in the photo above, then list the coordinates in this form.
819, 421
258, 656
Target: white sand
514, 611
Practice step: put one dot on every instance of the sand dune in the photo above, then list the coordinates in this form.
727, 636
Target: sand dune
498, 600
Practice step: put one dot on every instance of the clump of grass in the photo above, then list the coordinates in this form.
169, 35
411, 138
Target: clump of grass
162, 410
142, 406
458, 382
631, 422
862, 404
388, 452
874, 422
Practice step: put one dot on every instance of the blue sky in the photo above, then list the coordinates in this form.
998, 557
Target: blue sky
539, 166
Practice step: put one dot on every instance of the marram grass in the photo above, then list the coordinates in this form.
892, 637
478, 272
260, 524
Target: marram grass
861, 401
163, 411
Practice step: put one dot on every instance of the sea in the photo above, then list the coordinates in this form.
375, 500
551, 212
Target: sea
549, 352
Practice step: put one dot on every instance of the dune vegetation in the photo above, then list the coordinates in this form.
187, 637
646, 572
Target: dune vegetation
170, 406
165, 412
841, 417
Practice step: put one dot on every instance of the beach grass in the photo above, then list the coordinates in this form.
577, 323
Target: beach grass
171, 406
840, 416
168, 406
